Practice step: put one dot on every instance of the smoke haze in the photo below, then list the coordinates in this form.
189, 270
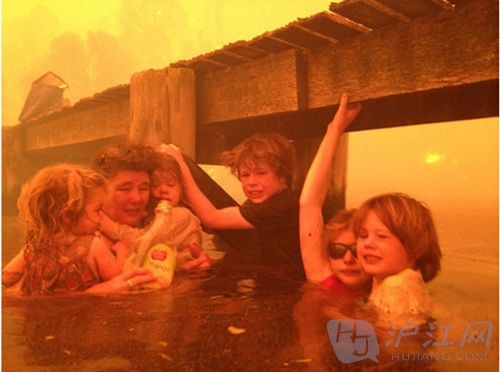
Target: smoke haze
94, 45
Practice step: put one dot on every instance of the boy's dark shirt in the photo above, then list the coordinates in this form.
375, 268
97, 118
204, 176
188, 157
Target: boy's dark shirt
276, 222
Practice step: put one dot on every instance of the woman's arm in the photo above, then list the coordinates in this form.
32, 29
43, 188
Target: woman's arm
117, 231
107, 264
209, 215
14, 270
124, 282
314, 256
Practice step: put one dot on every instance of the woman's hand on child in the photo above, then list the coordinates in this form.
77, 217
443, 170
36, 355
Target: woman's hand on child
200, 261
346, 113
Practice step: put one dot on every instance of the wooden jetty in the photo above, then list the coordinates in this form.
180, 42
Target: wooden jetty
408, 61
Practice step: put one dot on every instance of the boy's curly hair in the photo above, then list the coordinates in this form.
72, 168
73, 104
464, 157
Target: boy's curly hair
272, 148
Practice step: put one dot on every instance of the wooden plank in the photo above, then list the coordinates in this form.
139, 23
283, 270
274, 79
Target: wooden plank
303, 39
417, 8
463, 102
448, 49
312, 32
347, 23
95, 123
268, 85
370, 13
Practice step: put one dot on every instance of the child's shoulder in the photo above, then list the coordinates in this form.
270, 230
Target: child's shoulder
183, 213
403, 293
183, 218
280, 210
403, 279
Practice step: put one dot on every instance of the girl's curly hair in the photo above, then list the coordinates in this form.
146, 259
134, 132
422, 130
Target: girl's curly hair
52, 191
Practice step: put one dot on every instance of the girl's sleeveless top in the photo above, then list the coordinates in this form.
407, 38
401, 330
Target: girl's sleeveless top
51, 276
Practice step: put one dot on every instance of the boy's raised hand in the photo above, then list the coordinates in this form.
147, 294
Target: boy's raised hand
346, 113
171, 150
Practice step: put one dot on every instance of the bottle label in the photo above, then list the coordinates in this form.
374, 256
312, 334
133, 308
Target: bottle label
161, 261
158, 255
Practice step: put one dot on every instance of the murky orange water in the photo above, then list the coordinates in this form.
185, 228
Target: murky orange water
240, 317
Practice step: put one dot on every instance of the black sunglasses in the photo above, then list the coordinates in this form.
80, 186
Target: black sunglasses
338, 250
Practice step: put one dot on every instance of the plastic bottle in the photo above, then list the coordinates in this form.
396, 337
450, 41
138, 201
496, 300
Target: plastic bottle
155, 254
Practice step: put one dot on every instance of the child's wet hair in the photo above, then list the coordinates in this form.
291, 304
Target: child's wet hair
167, 163
272, 148
52, 191
125, 155
341, 221
412, 223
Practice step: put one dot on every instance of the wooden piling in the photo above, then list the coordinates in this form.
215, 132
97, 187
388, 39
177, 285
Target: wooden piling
163, 108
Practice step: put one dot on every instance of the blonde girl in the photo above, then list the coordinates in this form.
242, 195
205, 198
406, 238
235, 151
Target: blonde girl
59, 214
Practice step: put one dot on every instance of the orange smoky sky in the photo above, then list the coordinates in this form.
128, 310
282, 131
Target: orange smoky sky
97, 44
93, 44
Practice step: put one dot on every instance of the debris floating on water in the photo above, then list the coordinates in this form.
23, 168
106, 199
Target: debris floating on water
235, 330
166, 357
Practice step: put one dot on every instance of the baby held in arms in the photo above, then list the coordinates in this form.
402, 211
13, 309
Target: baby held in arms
174, 225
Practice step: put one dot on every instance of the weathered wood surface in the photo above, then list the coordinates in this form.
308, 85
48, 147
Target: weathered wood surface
439, 67
182, 109
446, 49
94, 123
268, 85
443, 50
163, 108
149, 106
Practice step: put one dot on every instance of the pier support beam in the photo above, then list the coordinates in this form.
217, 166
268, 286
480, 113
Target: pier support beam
163, 108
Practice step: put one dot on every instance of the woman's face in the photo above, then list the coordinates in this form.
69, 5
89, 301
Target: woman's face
128, 196
348, 269
380, 251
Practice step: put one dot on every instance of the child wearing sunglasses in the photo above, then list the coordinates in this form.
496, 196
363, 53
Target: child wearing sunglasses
348, 279
329, 252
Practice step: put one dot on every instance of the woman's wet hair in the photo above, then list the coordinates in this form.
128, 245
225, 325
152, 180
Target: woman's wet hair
411, 222
272, 148
125, 155
52, 192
